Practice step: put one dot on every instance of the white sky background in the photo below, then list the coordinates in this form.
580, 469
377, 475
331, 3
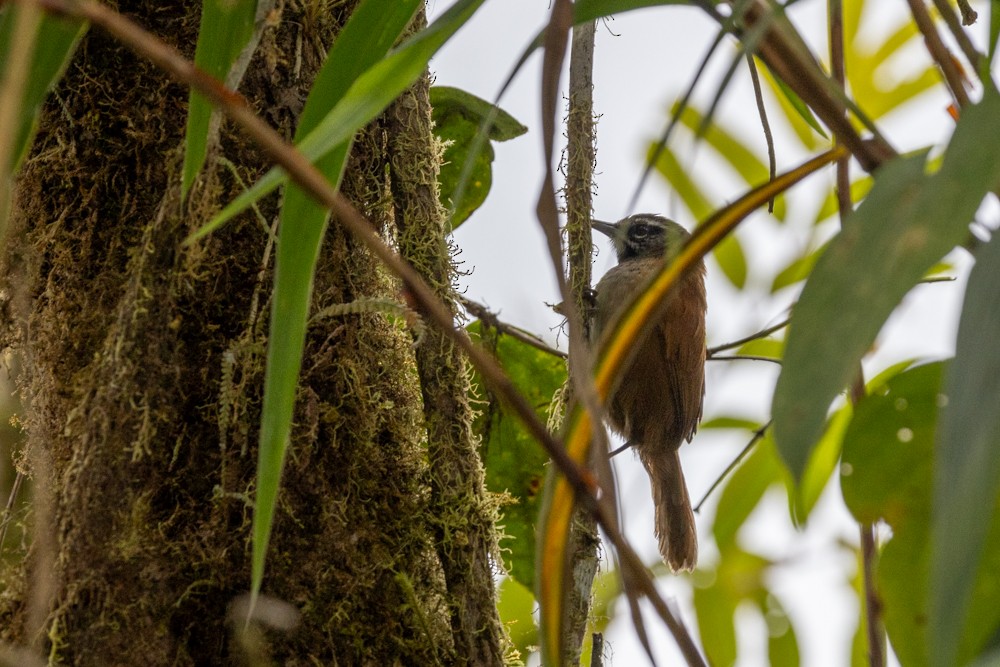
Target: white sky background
644, 60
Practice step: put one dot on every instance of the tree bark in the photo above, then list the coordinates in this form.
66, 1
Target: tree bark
143, 370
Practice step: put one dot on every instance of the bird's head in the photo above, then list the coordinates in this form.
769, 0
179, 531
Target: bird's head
643, 235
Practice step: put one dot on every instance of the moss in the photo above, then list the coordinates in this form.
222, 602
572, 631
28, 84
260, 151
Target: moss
144, 364
463, 513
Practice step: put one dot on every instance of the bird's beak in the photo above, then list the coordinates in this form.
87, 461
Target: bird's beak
607, 228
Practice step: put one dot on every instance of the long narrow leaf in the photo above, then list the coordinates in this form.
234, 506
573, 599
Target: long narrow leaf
57, 39
591, 10
908, 222
966, 459
369, 94
557, 509
226, 27
363, 42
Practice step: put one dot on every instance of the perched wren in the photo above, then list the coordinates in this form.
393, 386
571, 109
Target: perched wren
656, 402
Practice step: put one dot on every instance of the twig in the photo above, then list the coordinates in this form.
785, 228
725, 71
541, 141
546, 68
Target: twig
939, 52
764, 333
493, 321
969, 14
874, 628
740, 357
757, 435
597, 650
873, 602
976, 59
785, 54
772, 167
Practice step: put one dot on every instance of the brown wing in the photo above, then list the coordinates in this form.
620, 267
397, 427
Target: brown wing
683, 334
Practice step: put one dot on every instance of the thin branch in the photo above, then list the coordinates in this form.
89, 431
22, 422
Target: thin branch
785, 54
939, 52
874, 627
873, 602
584, 539
764, 333
757, 435
976, 59
493, 321
772, 167
969, 14
740, 357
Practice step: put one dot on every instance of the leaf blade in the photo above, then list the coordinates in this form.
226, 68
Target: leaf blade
966, 456
226, 28
906, 224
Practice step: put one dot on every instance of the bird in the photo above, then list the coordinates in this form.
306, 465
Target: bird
656, 403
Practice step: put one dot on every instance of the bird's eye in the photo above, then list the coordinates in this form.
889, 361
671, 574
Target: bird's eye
639, 231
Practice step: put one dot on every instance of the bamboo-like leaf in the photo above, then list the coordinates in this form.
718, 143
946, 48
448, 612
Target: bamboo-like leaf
730, 148
744, 490
368, 95
907, 223
39, 55
967, 457
729, 253
790, 101
557, 508
715, 609
362, 43
782, 644
226, 28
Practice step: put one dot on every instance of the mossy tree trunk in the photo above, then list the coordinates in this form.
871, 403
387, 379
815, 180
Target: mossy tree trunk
143, 366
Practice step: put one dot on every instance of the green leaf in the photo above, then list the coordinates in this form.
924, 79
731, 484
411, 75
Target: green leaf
367, 36
888, 469
794, 107
367, 97
820, 467
859, 189
967, 457
886, 448
994, 28
55, 41
729, 253
515, 464
782, 645
758, 472
730, 423
730, 148
906, 224
226, 28
770, 348
731, 259
515, 604
458, 116
714, 608
797, 270
591, 10
691, 194
739, 576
